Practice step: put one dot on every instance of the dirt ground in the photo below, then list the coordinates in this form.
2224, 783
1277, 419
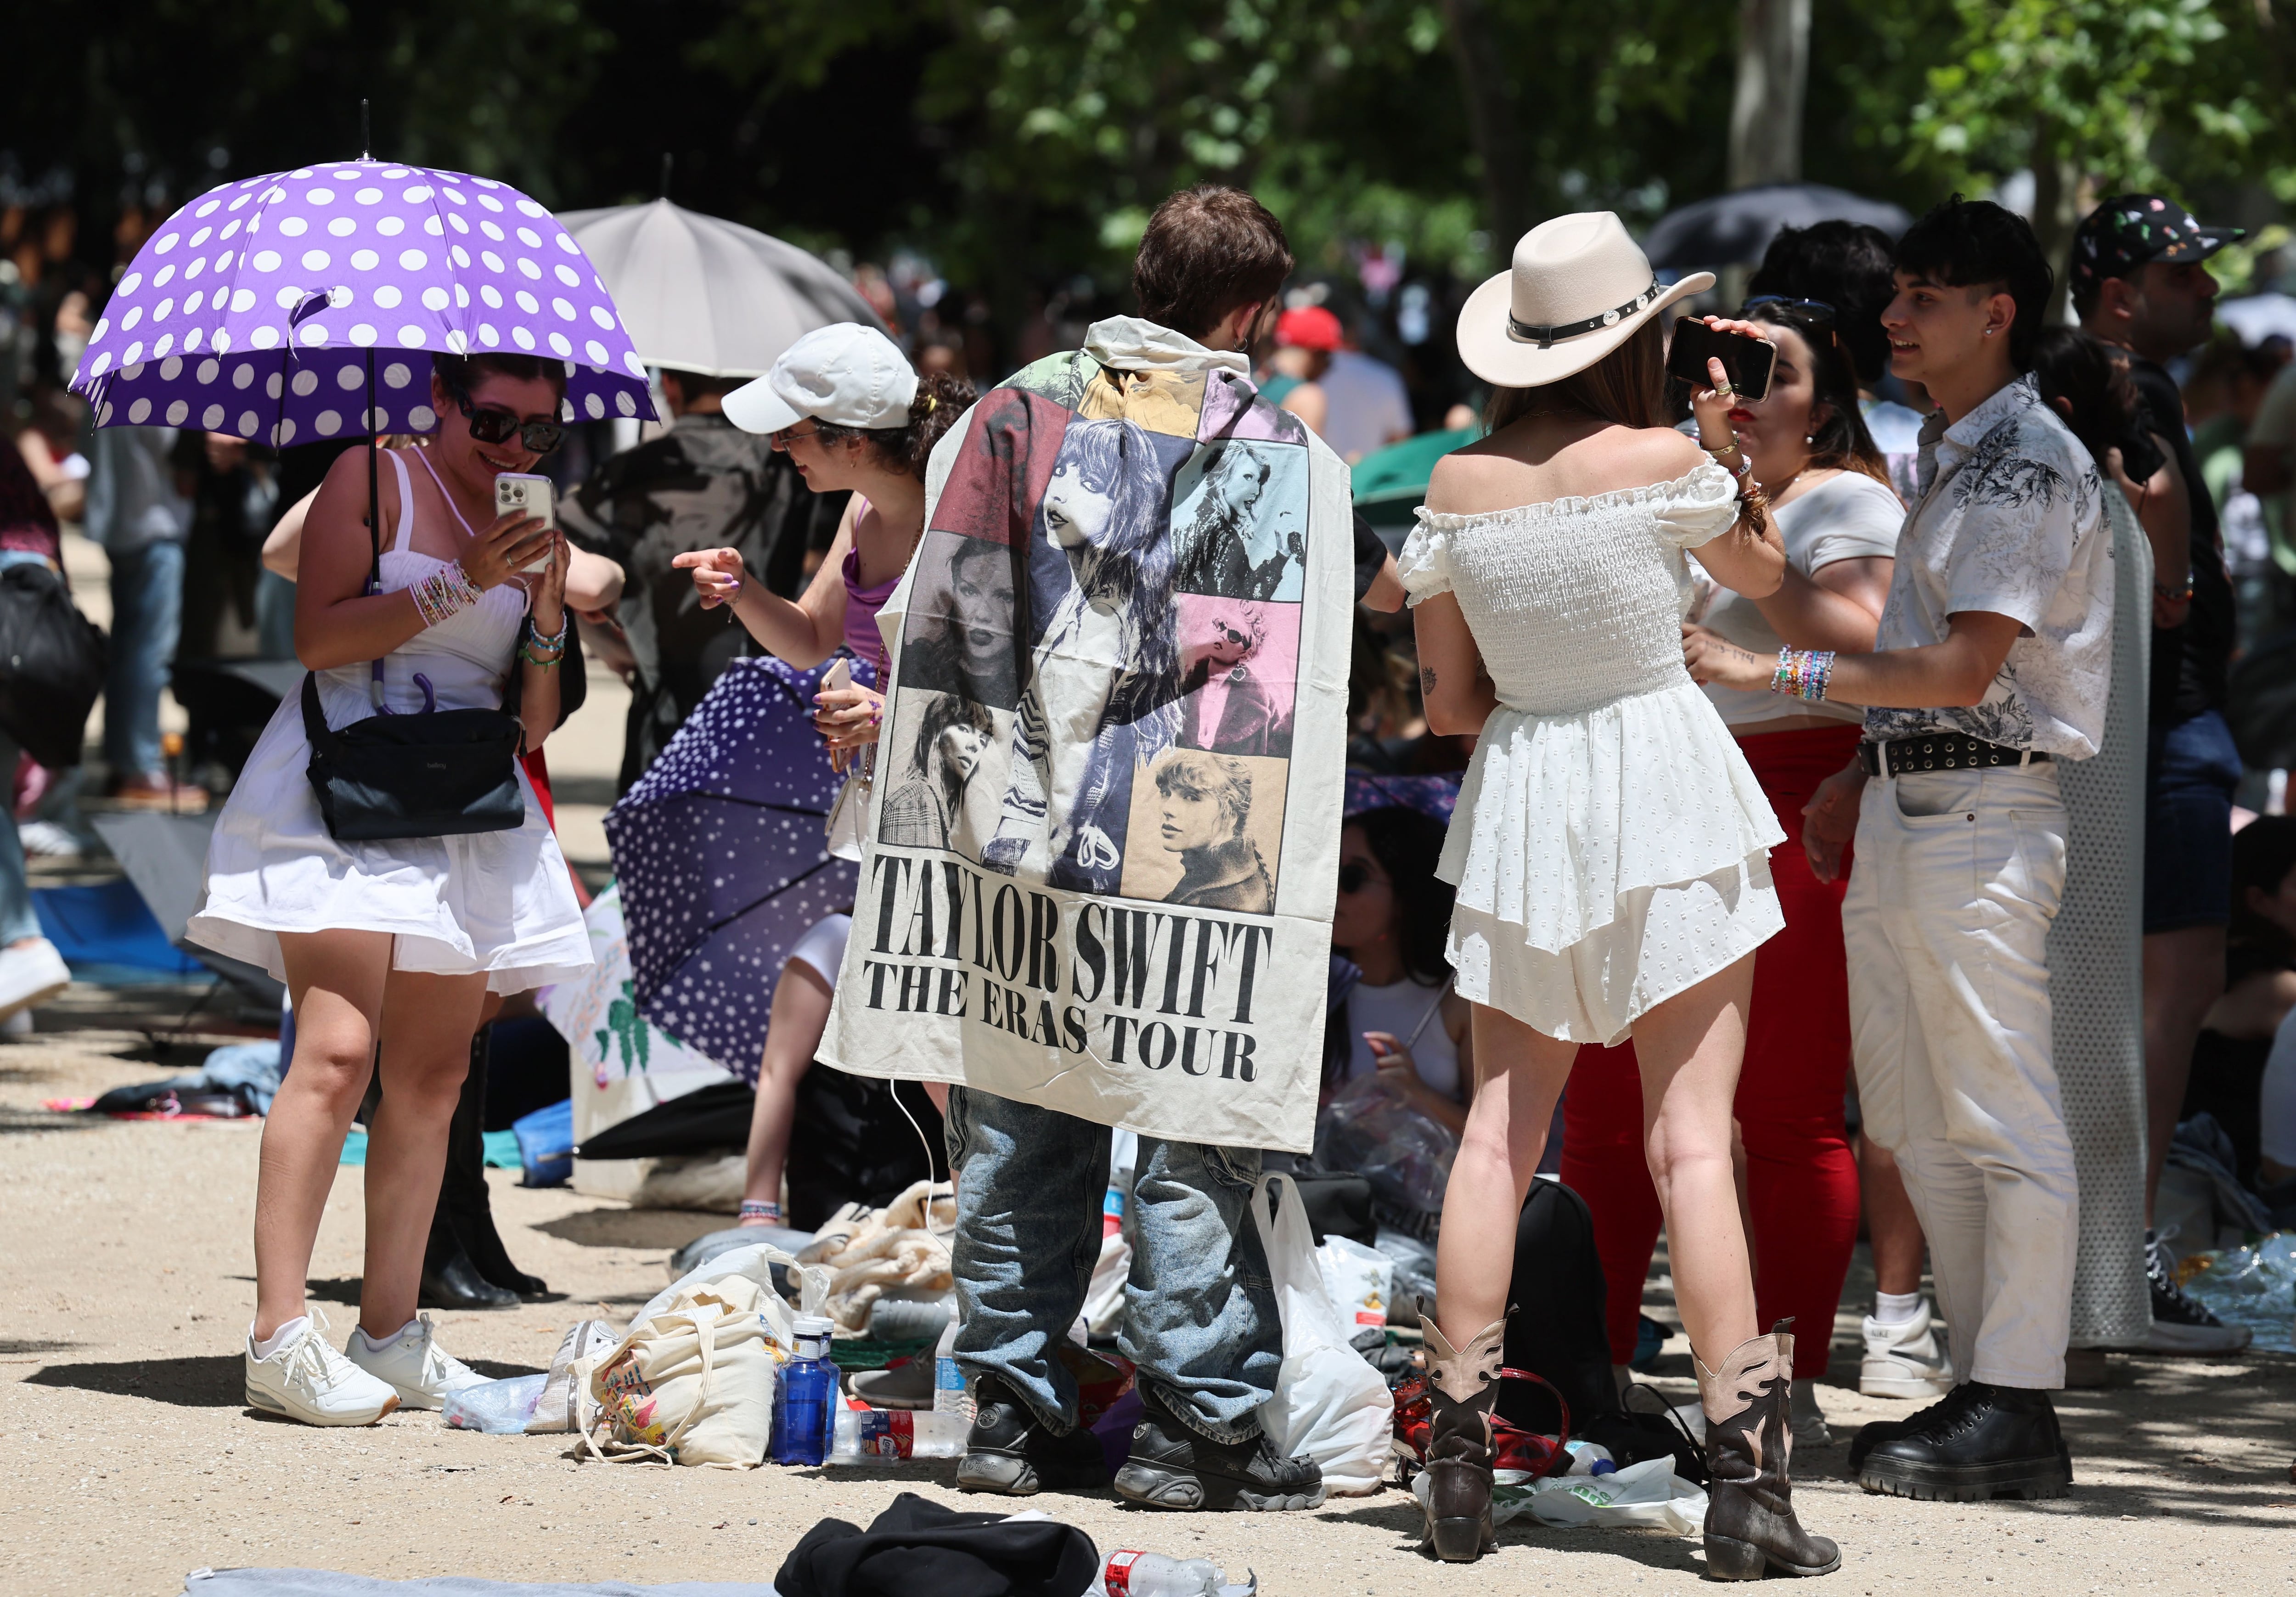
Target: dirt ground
131, 1460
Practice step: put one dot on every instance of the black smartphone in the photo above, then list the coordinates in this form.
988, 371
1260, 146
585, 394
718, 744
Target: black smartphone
1748, 360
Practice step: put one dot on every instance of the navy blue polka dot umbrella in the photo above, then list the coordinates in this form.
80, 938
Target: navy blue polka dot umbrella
721, 849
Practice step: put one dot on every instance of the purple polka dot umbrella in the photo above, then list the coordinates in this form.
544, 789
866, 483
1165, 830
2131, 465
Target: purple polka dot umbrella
286, 307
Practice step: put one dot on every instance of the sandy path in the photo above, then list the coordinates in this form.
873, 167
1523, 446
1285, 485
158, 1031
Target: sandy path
130, 1459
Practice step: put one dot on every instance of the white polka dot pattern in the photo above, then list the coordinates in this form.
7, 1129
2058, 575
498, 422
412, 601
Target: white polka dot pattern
304, 272
721, 851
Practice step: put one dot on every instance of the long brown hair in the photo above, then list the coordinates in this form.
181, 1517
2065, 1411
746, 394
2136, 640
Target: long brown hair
1838, 439
1628, 386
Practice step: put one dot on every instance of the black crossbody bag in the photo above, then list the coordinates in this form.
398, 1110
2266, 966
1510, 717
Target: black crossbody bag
437, 773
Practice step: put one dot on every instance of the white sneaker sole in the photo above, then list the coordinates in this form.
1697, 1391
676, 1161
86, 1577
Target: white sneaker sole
258, 1398
2166, 1337
1894, 1385
35, 998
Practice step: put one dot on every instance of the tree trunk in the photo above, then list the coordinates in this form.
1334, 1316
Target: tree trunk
1493, 121
1766, 112
2056, 211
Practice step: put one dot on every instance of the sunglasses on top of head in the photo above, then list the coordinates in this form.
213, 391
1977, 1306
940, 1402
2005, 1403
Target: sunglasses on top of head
1816, 310
498, 424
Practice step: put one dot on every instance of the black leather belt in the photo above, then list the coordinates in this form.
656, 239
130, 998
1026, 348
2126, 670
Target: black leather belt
1940, 752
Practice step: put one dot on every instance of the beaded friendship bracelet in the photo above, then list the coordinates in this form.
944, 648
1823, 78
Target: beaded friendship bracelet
753, 1209
443, 593
547, 652
1803, 672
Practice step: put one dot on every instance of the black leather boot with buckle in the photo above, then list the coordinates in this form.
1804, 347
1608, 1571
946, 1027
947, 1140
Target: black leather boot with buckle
1750, 1527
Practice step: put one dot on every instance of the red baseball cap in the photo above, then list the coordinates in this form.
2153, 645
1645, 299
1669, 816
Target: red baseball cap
1309, 327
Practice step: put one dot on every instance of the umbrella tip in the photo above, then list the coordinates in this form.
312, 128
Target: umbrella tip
667, 160
366, 142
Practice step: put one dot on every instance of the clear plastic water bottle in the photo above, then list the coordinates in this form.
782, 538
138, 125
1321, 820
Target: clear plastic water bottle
1134, 1574
805, 1398
950, 1395
879, 1435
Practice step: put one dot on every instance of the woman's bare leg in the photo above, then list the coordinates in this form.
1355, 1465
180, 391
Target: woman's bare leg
800, 1014
1690, 1048
336, 981
427, 1022
1521, 1072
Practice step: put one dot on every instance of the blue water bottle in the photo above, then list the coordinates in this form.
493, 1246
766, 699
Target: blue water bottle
805, 1398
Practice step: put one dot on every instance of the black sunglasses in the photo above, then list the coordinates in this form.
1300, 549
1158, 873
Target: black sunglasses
1816, 310
1221, 629
497, 424
1354, 876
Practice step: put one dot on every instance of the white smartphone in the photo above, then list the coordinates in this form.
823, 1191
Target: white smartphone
526, 494
839, 675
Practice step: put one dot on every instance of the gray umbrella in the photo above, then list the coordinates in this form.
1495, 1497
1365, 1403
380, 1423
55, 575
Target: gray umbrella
702, 294
1728, 230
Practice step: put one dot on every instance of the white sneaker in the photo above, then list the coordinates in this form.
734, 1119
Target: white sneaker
31, 975
1908, 1359
304, 1379
48, 840
415, 1365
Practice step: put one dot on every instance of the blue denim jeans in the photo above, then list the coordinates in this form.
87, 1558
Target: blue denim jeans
17, 918
1200, 1315
147, 616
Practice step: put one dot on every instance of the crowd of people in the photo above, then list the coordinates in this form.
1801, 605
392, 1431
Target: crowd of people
1754, 837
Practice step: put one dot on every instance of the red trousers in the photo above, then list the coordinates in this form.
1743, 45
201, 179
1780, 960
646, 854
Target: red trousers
1802, 1178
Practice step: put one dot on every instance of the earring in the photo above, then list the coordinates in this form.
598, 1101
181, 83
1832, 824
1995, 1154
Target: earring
1809, 438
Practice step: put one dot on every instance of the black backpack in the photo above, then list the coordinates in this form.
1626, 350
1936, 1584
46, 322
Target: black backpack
52, 660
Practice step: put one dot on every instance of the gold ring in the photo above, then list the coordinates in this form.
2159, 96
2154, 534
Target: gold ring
1726, 392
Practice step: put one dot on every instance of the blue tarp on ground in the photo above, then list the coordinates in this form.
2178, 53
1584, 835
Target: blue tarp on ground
107, 934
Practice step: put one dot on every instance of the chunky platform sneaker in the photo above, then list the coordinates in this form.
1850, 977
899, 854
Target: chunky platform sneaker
1011, 1452
1173, 1467
1981, 1442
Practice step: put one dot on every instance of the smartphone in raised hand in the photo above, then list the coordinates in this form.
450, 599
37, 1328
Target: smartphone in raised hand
527, 493
1748, 360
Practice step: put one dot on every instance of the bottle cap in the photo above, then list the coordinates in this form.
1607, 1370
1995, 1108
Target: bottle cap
813, 1325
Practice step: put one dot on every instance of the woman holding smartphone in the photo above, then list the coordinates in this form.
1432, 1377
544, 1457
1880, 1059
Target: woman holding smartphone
1611, 846
403, 939
852, 413
1829, 493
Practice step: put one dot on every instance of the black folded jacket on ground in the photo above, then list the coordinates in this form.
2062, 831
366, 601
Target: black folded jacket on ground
917, 1546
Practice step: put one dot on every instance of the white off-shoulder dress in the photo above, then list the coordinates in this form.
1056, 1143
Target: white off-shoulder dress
1610, 848
496, 902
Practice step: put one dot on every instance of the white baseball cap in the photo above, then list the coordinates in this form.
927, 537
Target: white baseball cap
846, 374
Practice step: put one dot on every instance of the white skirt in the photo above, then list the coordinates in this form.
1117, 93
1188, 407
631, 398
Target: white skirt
499, 903
1606, 861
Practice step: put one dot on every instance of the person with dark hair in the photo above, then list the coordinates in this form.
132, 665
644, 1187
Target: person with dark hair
2140, 281
1611, 847
1846, 266
2237, 1039
1129, 409
853, 416
952, 735
703, 484
1839, 519
1402, 1019
1993, 661
402, 940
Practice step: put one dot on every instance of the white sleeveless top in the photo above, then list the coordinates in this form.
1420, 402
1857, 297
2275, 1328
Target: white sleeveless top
497, 902
1610, 844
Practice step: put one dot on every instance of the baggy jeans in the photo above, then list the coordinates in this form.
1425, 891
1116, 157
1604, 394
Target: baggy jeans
1957, 876
1199, 1313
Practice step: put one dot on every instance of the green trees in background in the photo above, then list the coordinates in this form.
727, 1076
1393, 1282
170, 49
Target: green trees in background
1024, 141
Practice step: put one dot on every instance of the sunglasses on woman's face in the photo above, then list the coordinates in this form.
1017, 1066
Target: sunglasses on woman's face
1222, 630
1354, 876
498, 424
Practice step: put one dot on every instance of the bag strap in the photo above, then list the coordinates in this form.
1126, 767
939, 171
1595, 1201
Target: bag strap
322, 736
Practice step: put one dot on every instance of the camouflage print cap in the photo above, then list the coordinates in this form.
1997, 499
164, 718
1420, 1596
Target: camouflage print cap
2128, 230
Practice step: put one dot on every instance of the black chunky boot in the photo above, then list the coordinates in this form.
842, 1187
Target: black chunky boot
1012, 1451
1462, 1386
1983, 1442
463, 1196
1750, 1527
1172, 1466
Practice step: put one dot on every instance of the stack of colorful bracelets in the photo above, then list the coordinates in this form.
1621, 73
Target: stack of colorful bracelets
443, 593
1751, 493
1803, 672
547, 651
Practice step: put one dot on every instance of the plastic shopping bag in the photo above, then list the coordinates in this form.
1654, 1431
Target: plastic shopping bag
1644, 1496
1330, 1405
1361, 1282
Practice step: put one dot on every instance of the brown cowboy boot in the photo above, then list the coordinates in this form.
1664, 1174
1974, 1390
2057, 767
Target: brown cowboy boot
1750, 1517
1462, 1385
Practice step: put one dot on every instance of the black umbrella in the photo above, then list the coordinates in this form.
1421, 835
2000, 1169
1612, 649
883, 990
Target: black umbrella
1733, 229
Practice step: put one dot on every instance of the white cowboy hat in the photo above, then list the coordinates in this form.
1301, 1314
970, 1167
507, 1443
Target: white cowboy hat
1579, 289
